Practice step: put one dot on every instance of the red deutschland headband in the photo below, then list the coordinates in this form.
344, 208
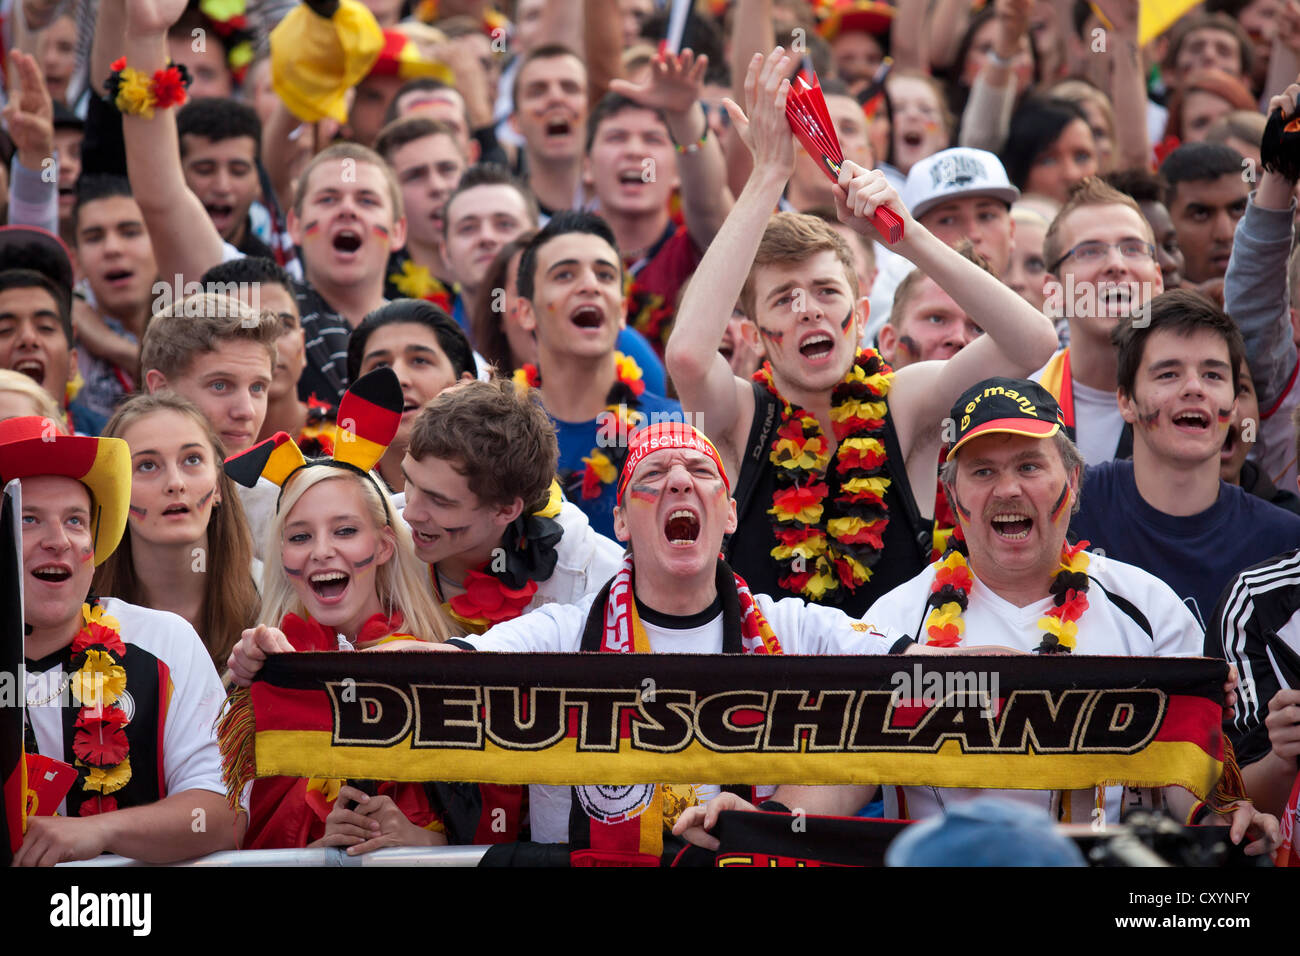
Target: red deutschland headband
660, 436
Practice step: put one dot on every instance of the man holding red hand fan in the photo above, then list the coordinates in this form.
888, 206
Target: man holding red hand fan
832, 449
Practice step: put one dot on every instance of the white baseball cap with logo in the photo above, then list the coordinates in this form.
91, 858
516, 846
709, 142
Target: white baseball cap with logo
957, 173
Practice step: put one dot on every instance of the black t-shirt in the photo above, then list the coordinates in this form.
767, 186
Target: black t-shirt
906, 539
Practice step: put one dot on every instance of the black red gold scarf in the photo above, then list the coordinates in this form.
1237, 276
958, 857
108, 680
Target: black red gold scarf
624, 825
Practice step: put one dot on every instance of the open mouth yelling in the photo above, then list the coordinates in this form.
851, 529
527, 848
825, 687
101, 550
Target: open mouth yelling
588, 317
817, 346
1117, 298
52, 573
220, 214
329, 586
1013, 527
1194, 420
557, 128
913, 139
682, 528
1229, 443
118, 277
32, 368
346, 241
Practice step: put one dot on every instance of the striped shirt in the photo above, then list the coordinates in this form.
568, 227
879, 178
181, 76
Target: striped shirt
326, 333
1256, 628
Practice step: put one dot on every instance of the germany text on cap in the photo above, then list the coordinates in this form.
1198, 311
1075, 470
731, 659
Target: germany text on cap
1010, 406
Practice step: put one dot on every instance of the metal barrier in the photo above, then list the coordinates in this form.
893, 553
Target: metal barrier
318, 856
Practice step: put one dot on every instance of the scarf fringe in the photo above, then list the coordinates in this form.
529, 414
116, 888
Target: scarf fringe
1231, 787
235, 737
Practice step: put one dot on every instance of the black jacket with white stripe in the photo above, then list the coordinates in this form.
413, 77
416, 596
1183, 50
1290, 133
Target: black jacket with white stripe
1256, 627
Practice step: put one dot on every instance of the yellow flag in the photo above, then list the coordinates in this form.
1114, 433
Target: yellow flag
1157, 16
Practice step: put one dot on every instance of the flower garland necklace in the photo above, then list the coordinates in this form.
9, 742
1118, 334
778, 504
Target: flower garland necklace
822, 558
950, 596
603, 465
415, 281
98, 683
500, 589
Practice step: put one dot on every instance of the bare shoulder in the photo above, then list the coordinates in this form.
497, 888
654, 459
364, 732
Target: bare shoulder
732, 441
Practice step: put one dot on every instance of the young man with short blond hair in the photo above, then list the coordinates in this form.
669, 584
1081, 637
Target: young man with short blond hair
219, 354
831, 453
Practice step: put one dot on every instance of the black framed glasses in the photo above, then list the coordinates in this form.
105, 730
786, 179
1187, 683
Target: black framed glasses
1094, 250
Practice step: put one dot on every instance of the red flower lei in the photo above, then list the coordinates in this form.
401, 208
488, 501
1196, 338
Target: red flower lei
488, 601
98, 682
605, 462
529, 549
822, 557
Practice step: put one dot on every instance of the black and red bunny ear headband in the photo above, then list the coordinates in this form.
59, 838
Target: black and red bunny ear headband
368, 418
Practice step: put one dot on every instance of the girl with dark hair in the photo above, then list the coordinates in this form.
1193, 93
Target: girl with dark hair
427, 350
1050, 148
978, 52
494, 319
187, 547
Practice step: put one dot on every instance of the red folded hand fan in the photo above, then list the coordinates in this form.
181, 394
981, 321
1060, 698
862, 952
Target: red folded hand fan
805, 109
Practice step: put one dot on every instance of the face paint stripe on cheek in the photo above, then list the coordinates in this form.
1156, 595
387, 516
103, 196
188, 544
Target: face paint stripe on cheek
1149, 419
380, 232
358, 565
961, 509
293, 572
1060, 502
312, 230
205, 499
1225, 415
137, 511
847, 323
769, 334
644, 493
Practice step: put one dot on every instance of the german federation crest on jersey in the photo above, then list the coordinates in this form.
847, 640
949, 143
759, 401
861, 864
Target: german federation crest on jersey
615, 804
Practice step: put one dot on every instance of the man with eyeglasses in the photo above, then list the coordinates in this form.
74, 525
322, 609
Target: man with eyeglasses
1101, 267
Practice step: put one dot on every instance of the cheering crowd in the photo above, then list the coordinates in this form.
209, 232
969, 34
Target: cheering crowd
531, 326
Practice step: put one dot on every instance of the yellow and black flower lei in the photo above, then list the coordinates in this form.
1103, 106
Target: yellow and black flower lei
98, 682
820, 557
603, 465
950, 596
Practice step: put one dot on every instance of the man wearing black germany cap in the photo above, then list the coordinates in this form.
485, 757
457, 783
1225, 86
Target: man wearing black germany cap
1010, 579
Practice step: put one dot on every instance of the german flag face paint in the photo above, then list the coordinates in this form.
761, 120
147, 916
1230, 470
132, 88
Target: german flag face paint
1061, 503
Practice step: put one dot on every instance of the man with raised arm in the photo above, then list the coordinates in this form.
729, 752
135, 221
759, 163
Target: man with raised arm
831, 449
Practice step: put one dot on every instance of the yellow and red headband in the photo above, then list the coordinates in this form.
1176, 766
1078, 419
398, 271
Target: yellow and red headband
660, 436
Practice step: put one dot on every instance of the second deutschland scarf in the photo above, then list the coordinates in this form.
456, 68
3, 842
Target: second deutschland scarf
624, 825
